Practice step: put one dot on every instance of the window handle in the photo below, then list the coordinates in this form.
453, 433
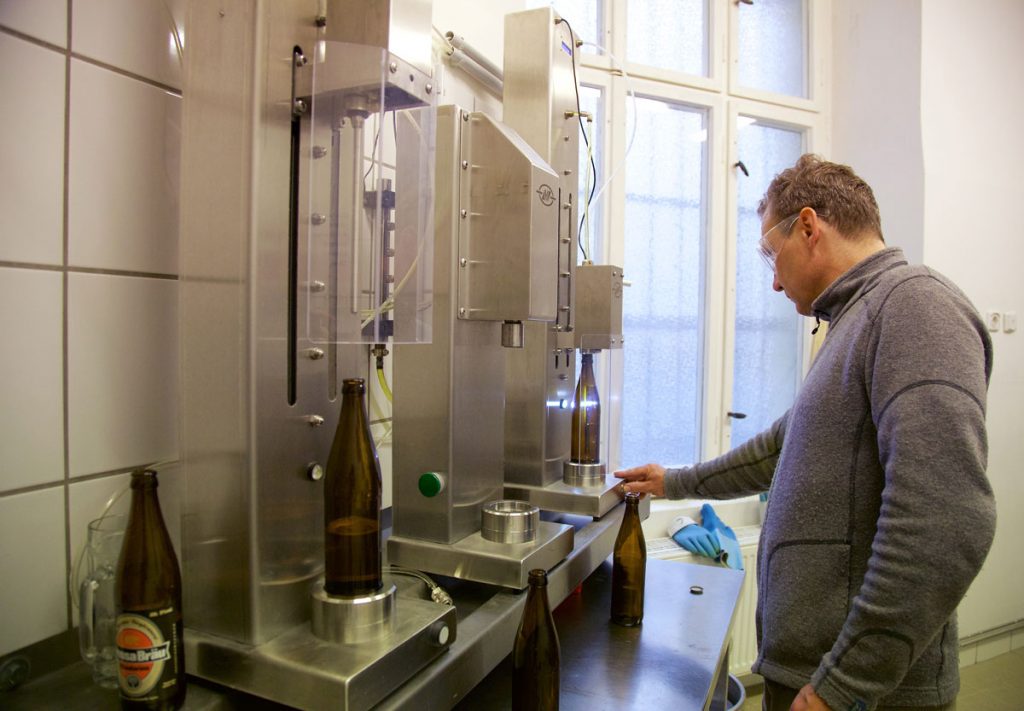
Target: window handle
736, 415
739, 164
745, 2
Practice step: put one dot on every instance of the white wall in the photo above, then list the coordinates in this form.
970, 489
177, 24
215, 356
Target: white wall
972, 101
876, 110
89, 144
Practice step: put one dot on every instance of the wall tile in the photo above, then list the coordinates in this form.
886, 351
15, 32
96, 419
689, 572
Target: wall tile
32, 152
125, 140
32, 388
992, 648
122, 372
87, 502
46, 20
33, 596
89, 499
152, 49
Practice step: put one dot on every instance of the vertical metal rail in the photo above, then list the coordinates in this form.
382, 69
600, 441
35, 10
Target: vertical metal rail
299, 107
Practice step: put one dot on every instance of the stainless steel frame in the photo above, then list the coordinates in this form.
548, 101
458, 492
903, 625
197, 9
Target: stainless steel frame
257, 409
540, 104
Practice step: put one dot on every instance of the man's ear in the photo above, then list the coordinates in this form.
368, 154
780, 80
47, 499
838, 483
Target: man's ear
810, 226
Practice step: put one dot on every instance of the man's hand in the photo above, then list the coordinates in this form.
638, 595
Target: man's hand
646, 479
808, 700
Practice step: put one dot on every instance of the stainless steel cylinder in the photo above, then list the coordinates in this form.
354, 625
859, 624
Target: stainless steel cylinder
512, 334
574, 474
509, 521
350, 620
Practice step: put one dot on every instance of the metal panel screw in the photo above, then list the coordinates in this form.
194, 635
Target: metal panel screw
465, 164
317, 287
393, 67
315, 471
315, 353
317, 219
319, 151
463, 262
428, 88
314, 420
463, 213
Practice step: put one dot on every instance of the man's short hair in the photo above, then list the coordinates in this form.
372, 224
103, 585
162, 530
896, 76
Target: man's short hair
842, 198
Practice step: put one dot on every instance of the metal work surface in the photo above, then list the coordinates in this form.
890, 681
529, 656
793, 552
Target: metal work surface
676, 659
593, 501
476, 558
487, 621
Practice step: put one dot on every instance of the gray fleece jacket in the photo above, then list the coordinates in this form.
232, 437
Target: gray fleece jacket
880, 513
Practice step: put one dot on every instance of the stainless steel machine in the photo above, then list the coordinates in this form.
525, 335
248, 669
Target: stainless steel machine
331, 211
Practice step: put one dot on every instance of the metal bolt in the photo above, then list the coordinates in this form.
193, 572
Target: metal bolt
319, 151
465, 164
465, 116
566, 172
393, 67
314, 420
463, 213
315, 353
299, 106
462, 311
317, 286
317, 219
463, 262
428, 88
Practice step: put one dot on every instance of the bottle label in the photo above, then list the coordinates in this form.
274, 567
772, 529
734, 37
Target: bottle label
146, 642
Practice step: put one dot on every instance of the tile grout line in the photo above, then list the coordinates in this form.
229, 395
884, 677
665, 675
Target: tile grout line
64, 327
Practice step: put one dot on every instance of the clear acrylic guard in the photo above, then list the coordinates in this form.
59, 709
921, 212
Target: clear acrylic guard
370, 216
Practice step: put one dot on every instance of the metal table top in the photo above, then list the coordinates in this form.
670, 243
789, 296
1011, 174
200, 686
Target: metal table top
676, 659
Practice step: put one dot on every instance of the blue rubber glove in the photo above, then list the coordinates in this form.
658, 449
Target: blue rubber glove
698, 540
709, 519
728, 545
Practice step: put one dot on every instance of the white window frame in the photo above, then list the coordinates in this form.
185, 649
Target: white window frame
724, 101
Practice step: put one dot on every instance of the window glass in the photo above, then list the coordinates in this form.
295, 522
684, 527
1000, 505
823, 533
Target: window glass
767, 342
662, 310
772, 49
668, 34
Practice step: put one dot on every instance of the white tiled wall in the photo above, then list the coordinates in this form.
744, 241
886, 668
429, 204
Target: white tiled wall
89, 145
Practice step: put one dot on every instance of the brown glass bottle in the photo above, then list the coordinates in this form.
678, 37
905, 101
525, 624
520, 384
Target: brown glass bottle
535, 655
352, 498
586, 416
150, 640
629, 567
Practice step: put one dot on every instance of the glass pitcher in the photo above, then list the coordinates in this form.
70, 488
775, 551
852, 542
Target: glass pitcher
97, 626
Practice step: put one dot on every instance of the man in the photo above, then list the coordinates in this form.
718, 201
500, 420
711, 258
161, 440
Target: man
880, 513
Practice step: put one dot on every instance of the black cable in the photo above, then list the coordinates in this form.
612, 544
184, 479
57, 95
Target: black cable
583, 130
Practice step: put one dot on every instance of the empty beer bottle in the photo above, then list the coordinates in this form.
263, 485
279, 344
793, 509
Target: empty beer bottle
629, 567
150, 641
586, 416
535, 654
352, 498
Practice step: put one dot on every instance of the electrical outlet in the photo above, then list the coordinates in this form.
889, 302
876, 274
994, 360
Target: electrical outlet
1010, 321
994, 320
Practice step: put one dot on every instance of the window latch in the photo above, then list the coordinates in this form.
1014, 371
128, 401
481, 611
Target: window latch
739, 164
736, 415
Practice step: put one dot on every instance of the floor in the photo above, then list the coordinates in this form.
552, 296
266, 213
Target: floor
995, 685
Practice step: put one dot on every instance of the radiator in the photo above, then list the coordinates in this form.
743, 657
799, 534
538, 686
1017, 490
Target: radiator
743, 647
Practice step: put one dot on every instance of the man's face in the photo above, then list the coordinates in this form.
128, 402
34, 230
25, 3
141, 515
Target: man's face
789, 262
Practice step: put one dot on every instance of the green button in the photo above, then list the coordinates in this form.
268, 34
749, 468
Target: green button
431, 484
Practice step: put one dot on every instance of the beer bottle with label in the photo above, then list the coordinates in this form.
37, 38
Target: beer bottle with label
535, 654
150, 641
352, 499
586, 416
629, 567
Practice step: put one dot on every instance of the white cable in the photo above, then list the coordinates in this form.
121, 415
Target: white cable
629, 90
